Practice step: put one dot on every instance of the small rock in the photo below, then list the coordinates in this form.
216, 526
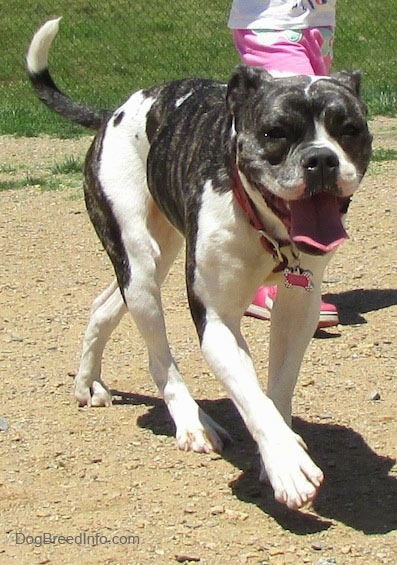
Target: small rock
3, 425
327, 561
273, 551
219, 509
374, 395
16, 338
317, 546
235, 515
309, 382
248, 557
181, 558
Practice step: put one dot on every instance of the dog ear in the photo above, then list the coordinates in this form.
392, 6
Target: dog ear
244, 82
351, 79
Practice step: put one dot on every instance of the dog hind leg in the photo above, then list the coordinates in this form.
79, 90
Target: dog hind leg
107, 311
195, 430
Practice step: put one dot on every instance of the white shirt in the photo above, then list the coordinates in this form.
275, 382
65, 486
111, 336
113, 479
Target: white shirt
281, 14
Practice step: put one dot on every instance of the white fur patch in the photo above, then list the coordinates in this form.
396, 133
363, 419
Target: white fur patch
122, 172
313, 79
125, 149
182, 99
348, 178
37, 57
227, 250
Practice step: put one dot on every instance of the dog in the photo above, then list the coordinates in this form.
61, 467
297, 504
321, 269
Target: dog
256, 177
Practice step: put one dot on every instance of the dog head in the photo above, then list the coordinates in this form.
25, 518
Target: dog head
302, 147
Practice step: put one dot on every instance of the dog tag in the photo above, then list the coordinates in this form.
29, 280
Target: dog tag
298, 277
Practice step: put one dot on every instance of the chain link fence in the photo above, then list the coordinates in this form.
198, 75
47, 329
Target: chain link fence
106, 49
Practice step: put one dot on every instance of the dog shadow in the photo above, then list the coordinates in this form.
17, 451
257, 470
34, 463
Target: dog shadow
352, 304
357, 490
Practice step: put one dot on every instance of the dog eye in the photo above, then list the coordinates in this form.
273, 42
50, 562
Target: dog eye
349, 130
275, 132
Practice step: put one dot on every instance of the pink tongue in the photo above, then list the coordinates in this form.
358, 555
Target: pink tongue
316, 222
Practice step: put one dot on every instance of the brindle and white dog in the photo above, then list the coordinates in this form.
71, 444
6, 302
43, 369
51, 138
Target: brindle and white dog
256, 176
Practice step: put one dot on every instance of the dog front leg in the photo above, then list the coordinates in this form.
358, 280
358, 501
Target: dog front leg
292, 474
294, 320
293, 323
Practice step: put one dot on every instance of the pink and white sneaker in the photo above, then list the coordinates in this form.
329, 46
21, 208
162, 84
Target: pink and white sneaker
262, 304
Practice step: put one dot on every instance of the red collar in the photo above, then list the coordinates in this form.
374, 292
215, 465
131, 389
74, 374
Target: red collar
249, 209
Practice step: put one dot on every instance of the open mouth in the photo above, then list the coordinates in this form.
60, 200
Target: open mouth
314, 223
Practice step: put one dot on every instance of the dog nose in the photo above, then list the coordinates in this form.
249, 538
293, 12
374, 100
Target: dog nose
321, 167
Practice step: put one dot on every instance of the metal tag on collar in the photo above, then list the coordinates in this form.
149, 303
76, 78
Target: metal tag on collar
295, 276
274, 246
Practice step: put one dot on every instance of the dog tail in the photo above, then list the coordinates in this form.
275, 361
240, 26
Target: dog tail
47, 90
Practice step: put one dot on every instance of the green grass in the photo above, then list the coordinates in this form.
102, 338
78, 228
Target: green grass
46, 183
14, 184
107, 49
67, 166
7, 169
11, 184
384, 154
65, 174
361, 43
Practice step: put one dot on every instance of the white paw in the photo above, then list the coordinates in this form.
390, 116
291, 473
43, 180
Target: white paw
293, 475
96, 395
263, 477
202, 435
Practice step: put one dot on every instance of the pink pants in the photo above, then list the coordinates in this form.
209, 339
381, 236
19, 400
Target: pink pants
295, 52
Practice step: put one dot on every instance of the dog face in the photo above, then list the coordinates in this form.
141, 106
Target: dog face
303, 144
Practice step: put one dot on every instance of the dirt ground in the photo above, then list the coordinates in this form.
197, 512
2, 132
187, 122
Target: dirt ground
112, 479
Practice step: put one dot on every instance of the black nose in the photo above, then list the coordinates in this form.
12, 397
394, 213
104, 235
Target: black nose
321, 166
